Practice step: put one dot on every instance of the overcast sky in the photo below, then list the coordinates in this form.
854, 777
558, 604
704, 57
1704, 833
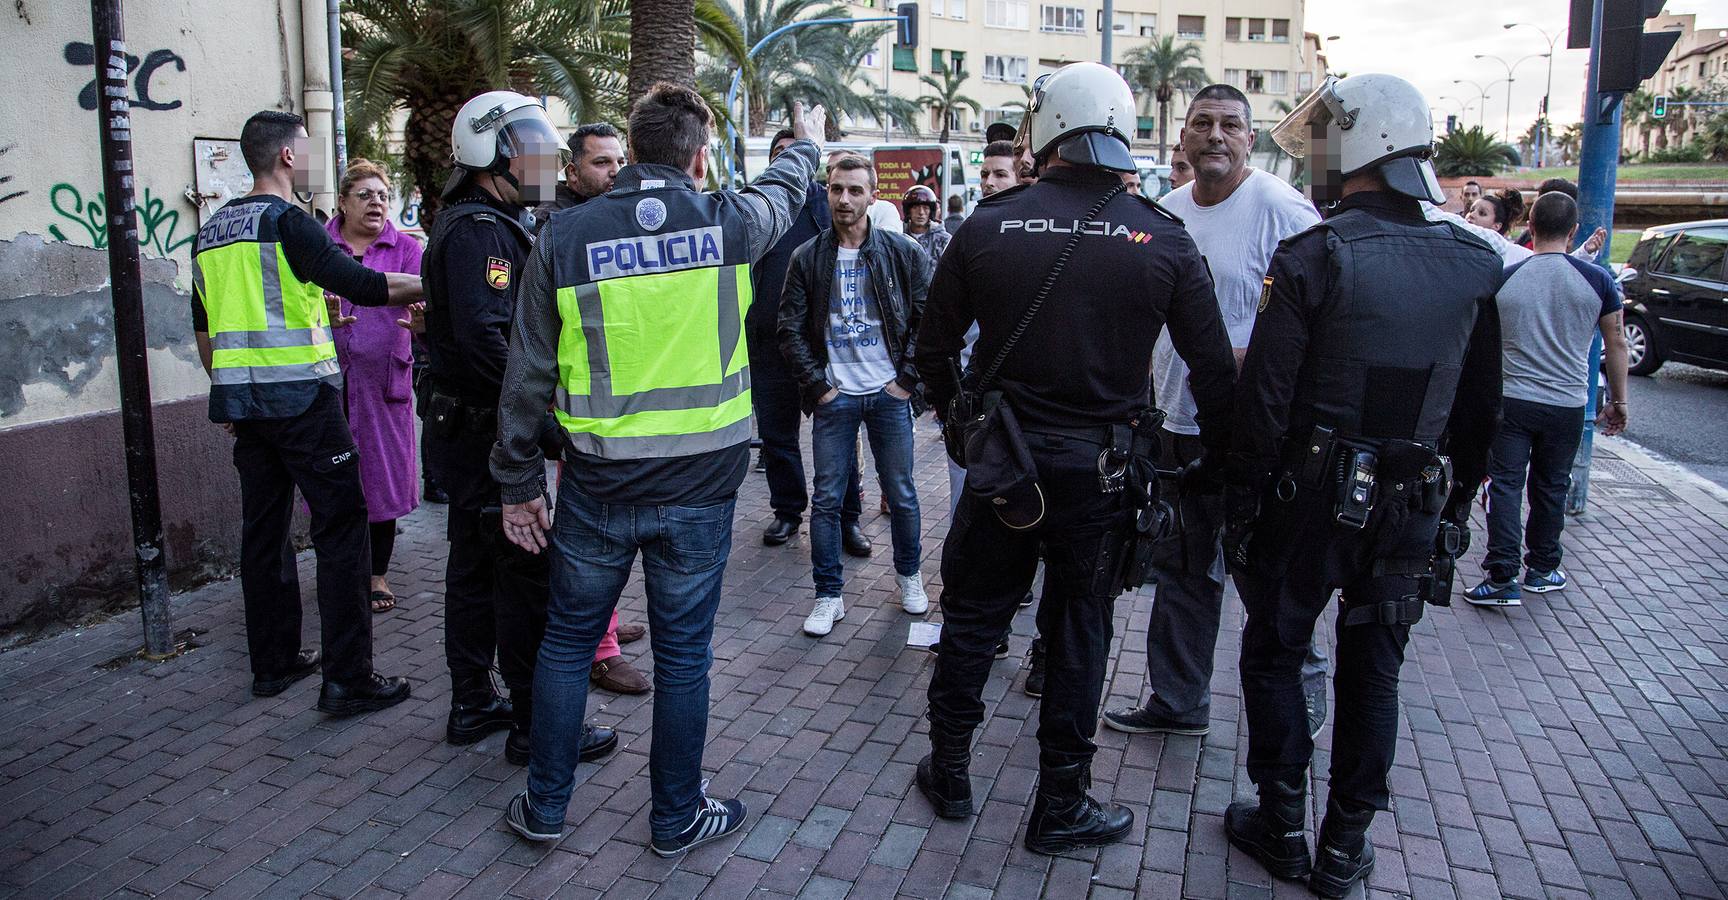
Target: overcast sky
1432, 42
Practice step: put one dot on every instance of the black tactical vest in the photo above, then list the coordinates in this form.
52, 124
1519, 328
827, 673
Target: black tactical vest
1387, 349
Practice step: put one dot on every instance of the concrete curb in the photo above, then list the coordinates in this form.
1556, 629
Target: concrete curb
1702, 494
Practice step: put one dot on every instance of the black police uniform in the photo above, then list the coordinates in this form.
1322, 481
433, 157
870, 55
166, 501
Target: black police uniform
1077, 375
1378, 329
494, 592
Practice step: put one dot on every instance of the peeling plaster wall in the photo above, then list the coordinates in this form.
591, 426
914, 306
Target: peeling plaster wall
198, 69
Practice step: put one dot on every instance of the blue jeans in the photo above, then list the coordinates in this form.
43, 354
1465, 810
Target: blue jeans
594, 545
1532, 452
834, 442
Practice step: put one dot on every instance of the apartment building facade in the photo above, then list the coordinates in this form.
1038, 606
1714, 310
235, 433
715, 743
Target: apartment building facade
1003, 45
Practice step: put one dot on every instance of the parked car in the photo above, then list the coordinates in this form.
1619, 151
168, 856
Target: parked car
1676, 286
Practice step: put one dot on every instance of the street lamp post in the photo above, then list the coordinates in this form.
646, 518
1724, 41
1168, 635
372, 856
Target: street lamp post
1547, 88
1510, 69
1463, 105
1483, 92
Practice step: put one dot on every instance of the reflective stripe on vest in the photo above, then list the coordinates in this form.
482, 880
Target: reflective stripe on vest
655, 365
266, 325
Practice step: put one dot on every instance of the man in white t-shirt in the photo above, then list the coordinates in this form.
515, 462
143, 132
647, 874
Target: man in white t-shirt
1236, 215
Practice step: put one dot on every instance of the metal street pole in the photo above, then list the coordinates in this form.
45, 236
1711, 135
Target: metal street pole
126, 287
339, 107
1109, 56
1482, 93
1597, 168
1547, 93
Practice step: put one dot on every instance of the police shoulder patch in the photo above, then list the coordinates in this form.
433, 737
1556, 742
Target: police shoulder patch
497, 272
1265, 294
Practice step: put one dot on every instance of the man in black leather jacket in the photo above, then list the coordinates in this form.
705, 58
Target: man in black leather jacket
851, 306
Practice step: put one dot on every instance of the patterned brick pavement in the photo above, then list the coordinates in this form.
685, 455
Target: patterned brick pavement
1573, 747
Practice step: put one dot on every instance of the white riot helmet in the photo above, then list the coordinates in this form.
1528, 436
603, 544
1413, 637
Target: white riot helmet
1082, 100
497, 126
1366, 122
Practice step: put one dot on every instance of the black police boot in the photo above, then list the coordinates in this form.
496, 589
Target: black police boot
780, 532
1064, 817
1271, 831
369, 694
516, 746
943, 776
1034, 686
476, 710
854, 540
1344, 856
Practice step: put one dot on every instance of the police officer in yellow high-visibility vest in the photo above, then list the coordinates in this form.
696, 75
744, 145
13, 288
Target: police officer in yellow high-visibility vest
259, 273
630, 323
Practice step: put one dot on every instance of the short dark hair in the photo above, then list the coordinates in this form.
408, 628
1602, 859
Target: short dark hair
956, 203
1223, 92
579, 137
264, 136
1553, 215
852, 162
669, 125
783, 134
1468, 183
1000, 148
1558, 185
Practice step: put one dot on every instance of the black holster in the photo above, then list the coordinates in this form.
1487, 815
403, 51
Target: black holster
1149, 516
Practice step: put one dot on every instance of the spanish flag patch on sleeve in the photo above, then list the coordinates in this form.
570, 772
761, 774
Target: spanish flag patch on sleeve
498, 274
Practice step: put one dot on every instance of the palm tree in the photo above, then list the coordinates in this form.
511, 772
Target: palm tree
947, 97
1713, 137
1472, 151
662, 44
1157, 70
1569, 142
430, 56
1679, 114
1635, 111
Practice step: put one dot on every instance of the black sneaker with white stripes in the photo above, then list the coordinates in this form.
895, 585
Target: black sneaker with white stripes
714, 819
521, 820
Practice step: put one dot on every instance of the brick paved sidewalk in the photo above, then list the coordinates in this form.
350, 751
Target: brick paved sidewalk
1574, 746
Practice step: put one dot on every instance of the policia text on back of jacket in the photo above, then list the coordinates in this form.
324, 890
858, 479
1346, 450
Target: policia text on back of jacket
259, 273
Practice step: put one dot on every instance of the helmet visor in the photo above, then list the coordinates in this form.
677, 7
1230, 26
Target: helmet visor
527, 136
1316, 111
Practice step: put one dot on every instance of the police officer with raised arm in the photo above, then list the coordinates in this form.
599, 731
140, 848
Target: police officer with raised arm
259, 273
1362, 420
505, 151
1113, 268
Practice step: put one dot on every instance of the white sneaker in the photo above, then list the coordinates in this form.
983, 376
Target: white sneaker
912, 596
821, 619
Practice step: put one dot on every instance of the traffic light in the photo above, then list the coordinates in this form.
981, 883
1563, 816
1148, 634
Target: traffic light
906, 30
1659, 107
1626, 55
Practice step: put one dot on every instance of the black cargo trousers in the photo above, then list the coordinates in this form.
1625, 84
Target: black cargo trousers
495, 592
987, 568
1300, 555
313, 451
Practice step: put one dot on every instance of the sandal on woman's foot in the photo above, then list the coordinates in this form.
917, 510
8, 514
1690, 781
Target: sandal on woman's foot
383, 601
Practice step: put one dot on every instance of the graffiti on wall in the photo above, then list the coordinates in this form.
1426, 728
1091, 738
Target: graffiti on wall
158, 226
6, 193
140, 71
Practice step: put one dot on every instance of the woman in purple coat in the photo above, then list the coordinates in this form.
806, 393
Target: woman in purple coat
377, 365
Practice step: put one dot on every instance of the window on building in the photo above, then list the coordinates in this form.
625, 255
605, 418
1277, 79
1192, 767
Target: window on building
1006, 13
937, 63
1256, 83
1256, 29
1010, 69
1191, 27
956, 9
957, 61
1277, 82
1232, 29
1010, 114
1235, 78
1124, 23
905, 59
956, 120
1063, 19
936, 8
872, 59
1143, 127
1148, 25
1304, 81
1280, 31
